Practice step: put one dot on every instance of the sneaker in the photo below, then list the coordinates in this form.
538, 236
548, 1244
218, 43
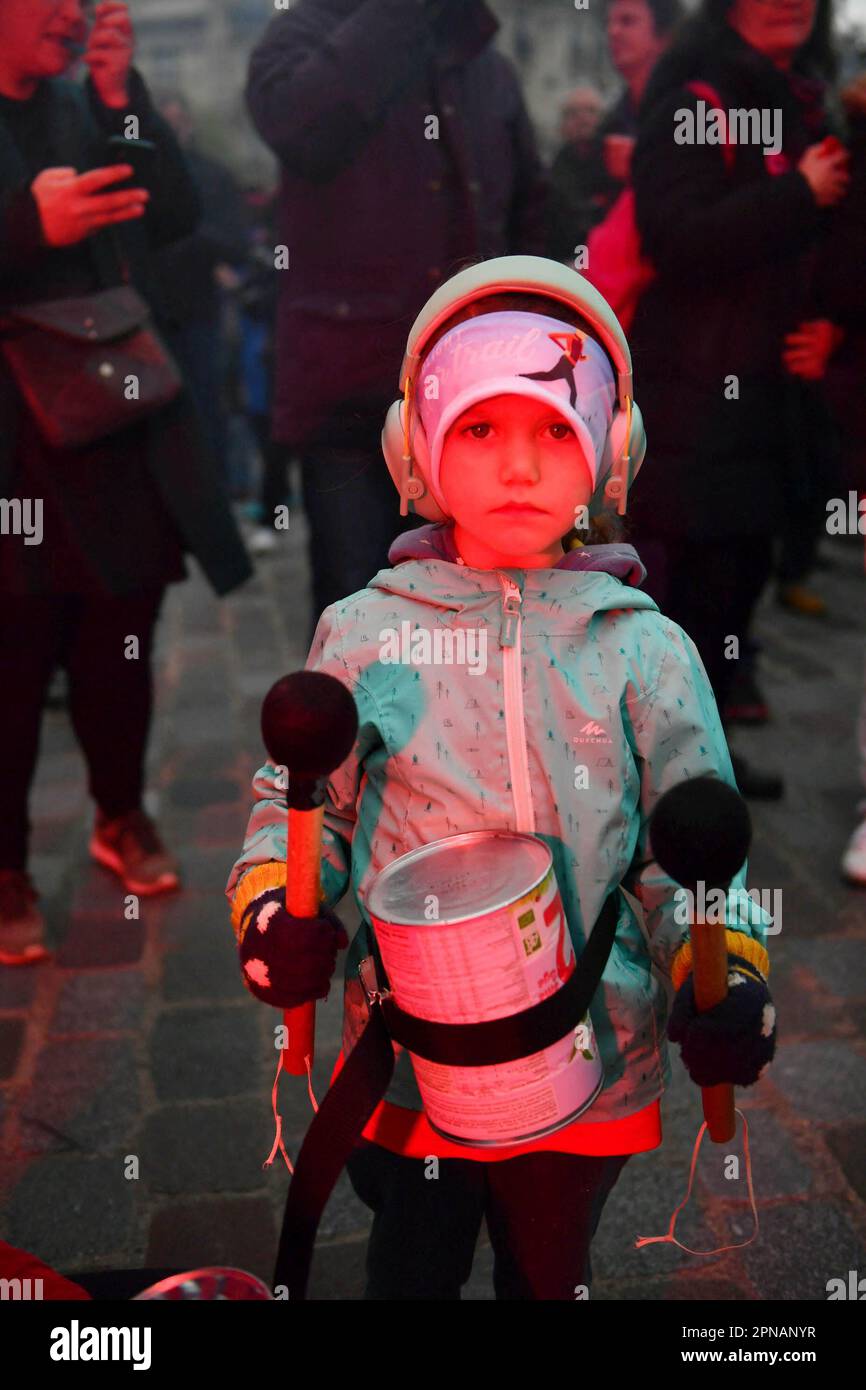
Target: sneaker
801, 600
263, 541
746, 703
854, 858
22, 926
757, 785
57, 695
132, 849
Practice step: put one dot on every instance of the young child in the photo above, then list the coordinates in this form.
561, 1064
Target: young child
589, 704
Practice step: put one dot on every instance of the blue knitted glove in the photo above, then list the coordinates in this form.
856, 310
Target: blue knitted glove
732, 1042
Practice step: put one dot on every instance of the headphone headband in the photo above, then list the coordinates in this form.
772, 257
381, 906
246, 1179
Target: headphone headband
528, 274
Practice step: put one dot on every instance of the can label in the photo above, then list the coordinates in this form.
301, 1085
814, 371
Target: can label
493, 966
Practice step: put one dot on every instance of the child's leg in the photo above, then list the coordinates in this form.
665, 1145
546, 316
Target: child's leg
424, 1227
542, 1214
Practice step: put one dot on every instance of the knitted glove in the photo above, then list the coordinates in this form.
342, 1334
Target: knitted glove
734, 1041
286, 960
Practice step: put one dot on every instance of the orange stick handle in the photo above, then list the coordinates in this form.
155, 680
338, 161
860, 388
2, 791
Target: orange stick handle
303, 894
710, 970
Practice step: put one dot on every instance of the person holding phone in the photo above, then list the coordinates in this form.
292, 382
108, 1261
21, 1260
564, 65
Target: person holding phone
112, 519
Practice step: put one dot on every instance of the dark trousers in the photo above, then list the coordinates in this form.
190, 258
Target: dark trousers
275, 466
711, 589
197, 345
110, 698
542, 1211
353, 512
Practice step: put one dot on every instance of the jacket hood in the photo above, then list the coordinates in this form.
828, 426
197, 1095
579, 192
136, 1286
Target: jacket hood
428, 568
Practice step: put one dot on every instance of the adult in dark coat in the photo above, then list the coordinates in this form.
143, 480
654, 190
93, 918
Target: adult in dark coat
406, 152
736, 429
107, 526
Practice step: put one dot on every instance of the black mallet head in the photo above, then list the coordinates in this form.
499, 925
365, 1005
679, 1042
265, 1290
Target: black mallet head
309, 724
700, 830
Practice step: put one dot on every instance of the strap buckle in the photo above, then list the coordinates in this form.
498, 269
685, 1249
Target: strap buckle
370, 983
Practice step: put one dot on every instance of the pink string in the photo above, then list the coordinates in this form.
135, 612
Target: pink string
310, 1092
670, 1237
278, 1119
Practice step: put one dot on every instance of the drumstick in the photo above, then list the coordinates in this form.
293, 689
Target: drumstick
700, 831
309, 726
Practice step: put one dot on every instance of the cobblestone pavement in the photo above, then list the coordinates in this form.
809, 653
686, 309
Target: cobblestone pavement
139, 1040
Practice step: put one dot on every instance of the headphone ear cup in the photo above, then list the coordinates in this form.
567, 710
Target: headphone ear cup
393, 444
637, 445
621, 435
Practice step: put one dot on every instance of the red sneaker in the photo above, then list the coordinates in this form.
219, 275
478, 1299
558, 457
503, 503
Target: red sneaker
22, 926
132, 849
745, 703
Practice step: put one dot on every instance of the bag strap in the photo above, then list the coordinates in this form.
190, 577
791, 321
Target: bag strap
366, 1075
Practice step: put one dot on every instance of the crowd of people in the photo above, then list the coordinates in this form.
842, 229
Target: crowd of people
405, 152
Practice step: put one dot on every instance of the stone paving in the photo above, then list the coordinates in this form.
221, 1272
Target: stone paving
137, 1051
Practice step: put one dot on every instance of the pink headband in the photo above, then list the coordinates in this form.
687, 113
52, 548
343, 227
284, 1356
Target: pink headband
516, 353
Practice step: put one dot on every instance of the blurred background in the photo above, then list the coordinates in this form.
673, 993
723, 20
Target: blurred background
183, 43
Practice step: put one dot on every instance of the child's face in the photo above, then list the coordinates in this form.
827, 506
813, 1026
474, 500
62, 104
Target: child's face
513, 472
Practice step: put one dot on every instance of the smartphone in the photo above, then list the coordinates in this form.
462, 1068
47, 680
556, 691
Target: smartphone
141, 154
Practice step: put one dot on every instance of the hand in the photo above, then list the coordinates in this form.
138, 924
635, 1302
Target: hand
825, 169
617, 151
807, 350
109, 52
732, 1042
73, 206
286, 960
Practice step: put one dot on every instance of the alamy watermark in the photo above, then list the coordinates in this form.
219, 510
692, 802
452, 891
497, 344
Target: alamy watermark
717, 905
711, 125
22, 516
442, 647
846, 517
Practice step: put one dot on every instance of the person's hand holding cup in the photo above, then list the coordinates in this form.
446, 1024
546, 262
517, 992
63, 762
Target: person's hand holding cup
617, 151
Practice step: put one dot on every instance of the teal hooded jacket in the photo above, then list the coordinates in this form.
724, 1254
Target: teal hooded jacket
555, 701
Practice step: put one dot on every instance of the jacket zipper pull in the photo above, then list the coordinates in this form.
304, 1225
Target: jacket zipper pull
510, 615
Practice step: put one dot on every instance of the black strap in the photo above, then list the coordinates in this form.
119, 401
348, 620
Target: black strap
519, 1035
366, 1075
327, 1144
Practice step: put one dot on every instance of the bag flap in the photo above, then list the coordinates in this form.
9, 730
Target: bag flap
95, 318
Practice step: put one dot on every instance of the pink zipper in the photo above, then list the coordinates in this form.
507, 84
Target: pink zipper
510, 632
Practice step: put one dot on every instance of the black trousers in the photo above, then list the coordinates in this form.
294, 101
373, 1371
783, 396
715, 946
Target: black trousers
275, 467
711, 589
110, 697
542, 1211
353, 512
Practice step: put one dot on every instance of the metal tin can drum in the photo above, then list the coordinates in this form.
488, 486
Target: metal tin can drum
472, 928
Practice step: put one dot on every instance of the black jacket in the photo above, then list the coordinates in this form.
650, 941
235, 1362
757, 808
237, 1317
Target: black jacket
117, 515
374, 212
187, 289
581, 191
738, 253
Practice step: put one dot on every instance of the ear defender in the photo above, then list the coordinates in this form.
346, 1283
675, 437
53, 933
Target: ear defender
624, 452
404, 443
